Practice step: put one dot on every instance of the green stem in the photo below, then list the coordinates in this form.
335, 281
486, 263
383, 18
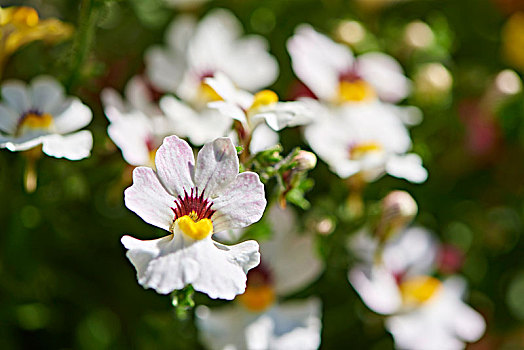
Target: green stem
83, 39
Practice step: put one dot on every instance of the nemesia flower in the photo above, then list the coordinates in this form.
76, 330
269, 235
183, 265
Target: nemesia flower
20, 25
365, 139
252, 110
39, 113
259, 320
334, 75
422, 311
197, 51
192, 201
136, 125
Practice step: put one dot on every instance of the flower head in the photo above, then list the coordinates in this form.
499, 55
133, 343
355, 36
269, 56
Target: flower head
334, 75
192, 201
366, 139
198, 51
20, 25
39, 113
420, 309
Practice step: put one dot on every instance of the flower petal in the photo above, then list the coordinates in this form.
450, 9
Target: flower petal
262, 138
318, 61
73, 147
175, 165
15, 95
285, 114
164, 68
149, 199
8, 119
113, 104
216, 166
226, 89
377, 289
297, 325
71, 116
288, 252
46, 93
241, 204
407, 167
250, 65
171, 263
130, 134
385, 74
224, 268
22, 143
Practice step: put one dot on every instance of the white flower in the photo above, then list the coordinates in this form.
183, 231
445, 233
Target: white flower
192, 201
422, 312
332, 73
259, 320
366, 139
136, 124
197, 51
443, 322
294, 325
40, 114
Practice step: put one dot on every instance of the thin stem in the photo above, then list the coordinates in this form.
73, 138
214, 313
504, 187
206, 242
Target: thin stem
83, 39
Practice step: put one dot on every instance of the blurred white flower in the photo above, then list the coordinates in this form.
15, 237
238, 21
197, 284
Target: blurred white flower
40, 113
136, 124
258, 320
197, 51
334, 75
293, 325
423, 312
366, 139
192, 201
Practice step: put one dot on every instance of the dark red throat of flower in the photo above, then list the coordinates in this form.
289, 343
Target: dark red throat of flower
195, 206
350, 75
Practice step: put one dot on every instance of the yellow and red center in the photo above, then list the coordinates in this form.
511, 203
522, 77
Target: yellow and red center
193, 214
207, 93
34, 120
419, 289
259, 294
353, 88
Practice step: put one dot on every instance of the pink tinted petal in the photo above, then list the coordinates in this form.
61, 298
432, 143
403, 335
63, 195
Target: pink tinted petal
149, 199
175, 163
242, 203
318, 61
216, 167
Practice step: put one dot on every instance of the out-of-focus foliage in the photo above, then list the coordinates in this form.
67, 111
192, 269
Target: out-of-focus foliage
64, 279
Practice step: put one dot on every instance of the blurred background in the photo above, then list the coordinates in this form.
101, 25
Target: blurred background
64, 280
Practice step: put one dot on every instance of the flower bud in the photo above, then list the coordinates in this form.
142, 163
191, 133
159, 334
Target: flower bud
305, 160
398, 209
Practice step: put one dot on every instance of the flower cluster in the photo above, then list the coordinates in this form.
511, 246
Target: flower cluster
205, 138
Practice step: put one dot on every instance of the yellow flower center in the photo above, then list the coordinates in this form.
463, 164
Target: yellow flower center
355, 91
35, 121
208, 94
419, 289
362, 149
257, 298
264, 98
196, 230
